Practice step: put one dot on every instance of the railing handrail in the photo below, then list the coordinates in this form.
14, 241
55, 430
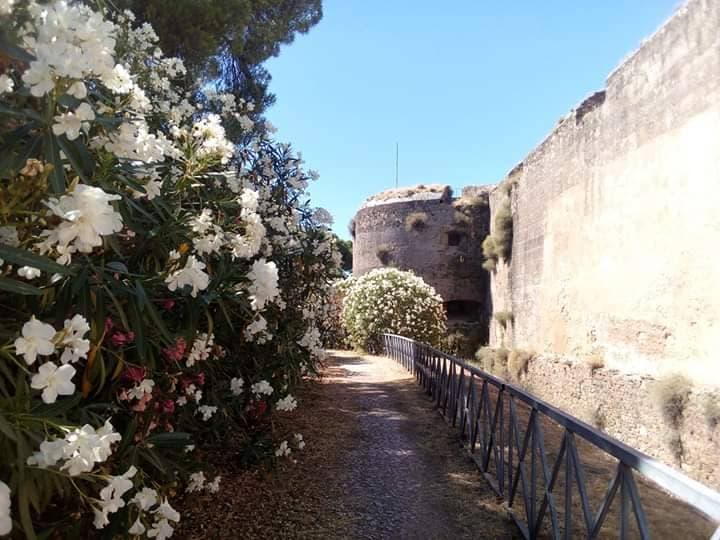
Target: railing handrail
691, 491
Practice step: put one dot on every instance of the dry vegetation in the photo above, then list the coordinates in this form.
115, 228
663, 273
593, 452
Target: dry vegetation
671, 394
517, 364
498, 245
407, 192
504, 318
416, 221
384, 253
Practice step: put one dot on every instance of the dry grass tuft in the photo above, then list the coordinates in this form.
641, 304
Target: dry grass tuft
351, 227
475, 200
595, 361
504, 318
493, 361
384, 254
671, 394
517, 363
416, 221
461, 219
407, 192
712, 410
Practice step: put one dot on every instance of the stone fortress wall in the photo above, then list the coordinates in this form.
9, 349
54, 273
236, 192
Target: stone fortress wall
615, 262
426, 230
614, 276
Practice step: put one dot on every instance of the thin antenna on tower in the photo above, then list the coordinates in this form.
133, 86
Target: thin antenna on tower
397, 160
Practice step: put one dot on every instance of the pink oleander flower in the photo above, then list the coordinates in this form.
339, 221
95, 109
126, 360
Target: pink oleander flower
134, 373
168, 304
142, 403
168, 406
176, 352
120, 339
109, 324
200, 379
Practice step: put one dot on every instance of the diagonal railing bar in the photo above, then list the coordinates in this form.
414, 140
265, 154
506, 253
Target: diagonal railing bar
580, 480
452, 385
550, 479
492, 449
607, 501
520, 469
637, 506
568, 484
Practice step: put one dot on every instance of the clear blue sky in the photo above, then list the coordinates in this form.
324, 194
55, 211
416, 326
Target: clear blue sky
467, 87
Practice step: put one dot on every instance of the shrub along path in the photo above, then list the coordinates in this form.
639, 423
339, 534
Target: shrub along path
379, 463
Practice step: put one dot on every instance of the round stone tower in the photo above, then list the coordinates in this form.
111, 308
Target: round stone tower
438, 237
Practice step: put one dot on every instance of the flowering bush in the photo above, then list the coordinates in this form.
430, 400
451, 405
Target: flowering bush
158, 284
389, 300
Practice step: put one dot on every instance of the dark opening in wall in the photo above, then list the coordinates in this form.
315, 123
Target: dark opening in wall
463, 310
454, 238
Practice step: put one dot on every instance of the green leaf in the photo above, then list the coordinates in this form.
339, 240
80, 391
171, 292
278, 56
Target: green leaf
20, 113
170, 440
18, 287
13, 51
58, 408
52, 155
74, 152
23, 257
154, 315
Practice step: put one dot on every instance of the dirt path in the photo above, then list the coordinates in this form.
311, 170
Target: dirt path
379, 463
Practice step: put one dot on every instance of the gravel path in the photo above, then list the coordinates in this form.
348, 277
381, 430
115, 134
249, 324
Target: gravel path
379, 463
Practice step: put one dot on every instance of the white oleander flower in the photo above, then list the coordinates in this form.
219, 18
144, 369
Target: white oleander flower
264, 283
36, 340
283, 450
76, 347
71, 123
28, 272
118, 80
287, 404
161, 530
201, 348
167, 512
111, 497
236, 385
137, 528
145, 499
87, 216
39, 77
196, 482
6, 83
299, 441
214, 486
207, 411
192, 274
78, 90
5, 505
54, 381
81, 449
140, 389
262, 387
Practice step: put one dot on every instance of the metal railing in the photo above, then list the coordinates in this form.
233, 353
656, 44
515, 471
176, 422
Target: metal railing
502, 439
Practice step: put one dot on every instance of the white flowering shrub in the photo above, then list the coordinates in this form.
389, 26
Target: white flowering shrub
159, 284
390, 300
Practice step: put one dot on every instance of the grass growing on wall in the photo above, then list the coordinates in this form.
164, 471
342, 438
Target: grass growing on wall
671, 395
416, 221
498, 245
504, 318
384, 254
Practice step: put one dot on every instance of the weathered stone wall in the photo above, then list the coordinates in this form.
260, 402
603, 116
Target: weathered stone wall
616, 223
624, 406
455, 271
615, 214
